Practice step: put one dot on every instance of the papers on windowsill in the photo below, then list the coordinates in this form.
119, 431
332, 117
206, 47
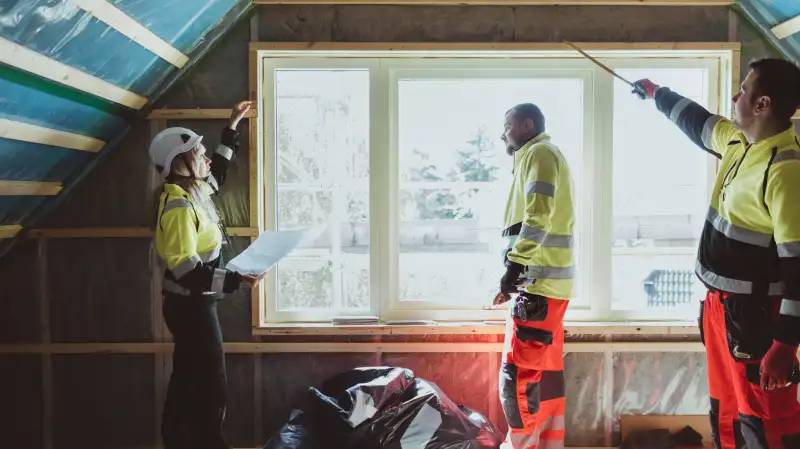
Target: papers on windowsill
270, 247
354, 320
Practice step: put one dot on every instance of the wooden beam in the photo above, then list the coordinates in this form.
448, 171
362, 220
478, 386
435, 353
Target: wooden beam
29, 188
9, 231
133, 30
496, 48
787, 28
26, 132
503, 2
796, 115
340, 347
82, 233
476, 328
195, 114
28, 60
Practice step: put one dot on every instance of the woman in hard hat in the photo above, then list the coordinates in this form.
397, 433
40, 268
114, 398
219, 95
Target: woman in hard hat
188, 241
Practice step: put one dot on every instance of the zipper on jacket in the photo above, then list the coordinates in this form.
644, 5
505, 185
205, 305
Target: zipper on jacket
736, 165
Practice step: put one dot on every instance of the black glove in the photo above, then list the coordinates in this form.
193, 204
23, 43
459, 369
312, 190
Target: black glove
508, 284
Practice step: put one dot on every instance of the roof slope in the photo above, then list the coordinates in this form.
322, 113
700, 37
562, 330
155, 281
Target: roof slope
778, 21
75, 75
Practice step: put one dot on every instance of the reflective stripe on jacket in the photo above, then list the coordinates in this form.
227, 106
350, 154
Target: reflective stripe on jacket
539, 218
188, 241
750, 243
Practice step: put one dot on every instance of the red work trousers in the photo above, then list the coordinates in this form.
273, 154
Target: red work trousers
532, 380
742, 414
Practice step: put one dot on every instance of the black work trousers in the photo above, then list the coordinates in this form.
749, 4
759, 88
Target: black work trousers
194, 409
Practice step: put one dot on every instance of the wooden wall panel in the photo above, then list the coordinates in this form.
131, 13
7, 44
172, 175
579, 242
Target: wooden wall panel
235, 309
21, 409
240, 422
219, 80
99, 290
365, 23
19, 301
103, 401
116, 194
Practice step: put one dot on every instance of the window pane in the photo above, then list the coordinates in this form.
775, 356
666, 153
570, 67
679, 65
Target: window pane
660, 195
455, 175
322, 148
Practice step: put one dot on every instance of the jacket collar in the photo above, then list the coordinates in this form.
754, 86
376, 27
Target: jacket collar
519, 154
780, 140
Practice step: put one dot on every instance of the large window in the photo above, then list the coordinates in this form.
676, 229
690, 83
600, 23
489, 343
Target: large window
400, 158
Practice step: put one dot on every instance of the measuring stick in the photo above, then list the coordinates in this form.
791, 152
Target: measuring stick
600, 64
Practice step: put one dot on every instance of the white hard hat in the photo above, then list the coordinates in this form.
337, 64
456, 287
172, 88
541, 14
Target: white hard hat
169, 143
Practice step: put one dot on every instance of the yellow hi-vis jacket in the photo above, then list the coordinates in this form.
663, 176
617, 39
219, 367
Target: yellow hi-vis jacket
189, 242
750, 245
539, 218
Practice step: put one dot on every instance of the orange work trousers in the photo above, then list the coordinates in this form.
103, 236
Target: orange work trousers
532, 380
741, 413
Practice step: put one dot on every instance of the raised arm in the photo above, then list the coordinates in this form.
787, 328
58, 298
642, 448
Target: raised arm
229, 144
711, 132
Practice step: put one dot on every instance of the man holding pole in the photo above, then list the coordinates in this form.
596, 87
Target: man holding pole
749, 255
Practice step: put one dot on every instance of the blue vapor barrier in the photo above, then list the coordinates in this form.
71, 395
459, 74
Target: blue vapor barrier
776, 11
26, 161
70, 35
765, 14
13, 209
23, 101
182, 23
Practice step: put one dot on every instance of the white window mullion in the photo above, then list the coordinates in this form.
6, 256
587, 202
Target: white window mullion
381, 197
601, 195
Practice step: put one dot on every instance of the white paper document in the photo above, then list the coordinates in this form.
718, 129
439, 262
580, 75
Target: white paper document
270, 247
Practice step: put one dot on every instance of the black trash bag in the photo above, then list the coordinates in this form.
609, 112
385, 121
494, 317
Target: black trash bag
300, 432
386, 408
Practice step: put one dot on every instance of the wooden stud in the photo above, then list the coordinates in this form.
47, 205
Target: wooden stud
787, 28
67, 233
397, 48
9, 231
340, 347
26, 132
195, 114
475, 328
45, 337
133, 30
159, 330
504, 2
28, 60
29, 188
796, 115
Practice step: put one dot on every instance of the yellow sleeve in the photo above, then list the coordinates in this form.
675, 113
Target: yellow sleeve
540, 171
720, 132
781, 197
179, 241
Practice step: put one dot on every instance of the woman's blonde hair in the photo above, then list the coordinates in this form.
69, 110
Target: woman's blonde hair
183, 172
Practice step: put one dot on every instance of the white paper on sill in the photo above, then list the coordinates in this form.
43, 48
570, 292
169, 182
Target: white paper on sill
270, 247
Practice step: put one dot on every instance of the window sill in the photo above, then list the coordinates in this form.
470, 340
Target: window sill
679, 328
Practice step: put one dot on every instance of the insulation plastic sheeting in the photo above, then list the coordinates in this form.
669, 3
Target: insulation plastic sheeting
70, 35
765, 14
27, 99
159, 16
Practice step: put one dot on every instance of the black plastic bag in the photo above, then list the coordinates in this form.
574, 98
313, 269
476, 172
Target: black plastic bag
385, 408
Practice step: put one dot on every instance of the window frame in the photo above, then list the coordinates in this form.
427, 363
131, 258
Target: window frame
381, 59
